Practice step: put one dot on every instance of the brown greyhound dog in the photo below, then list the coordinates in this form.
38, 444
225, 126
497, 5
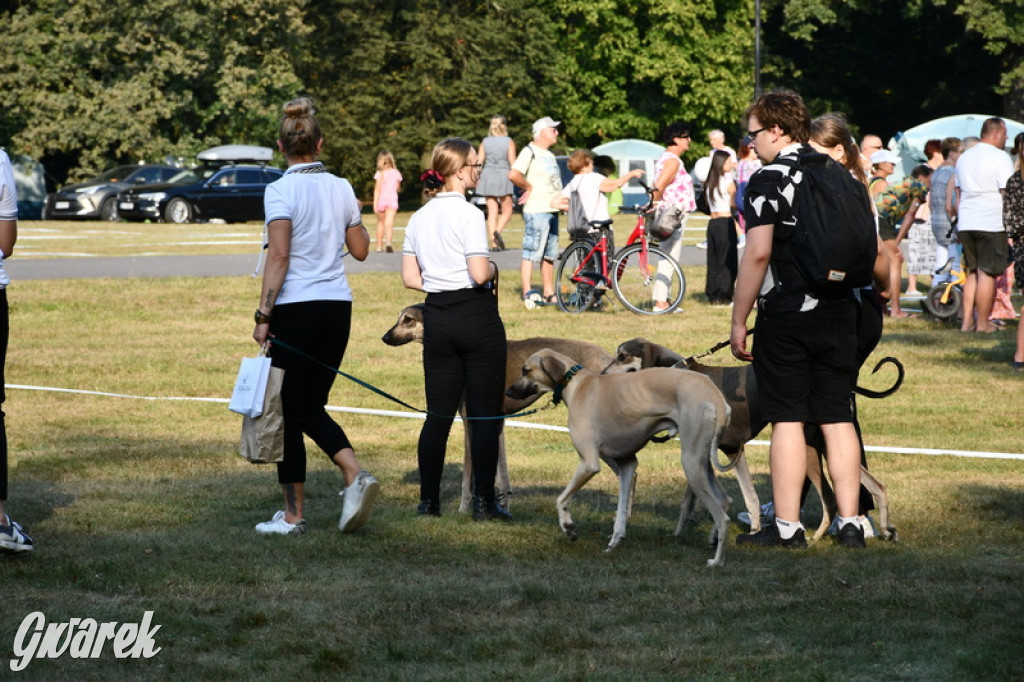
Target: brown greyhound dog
739, 386
409, 328
613, 417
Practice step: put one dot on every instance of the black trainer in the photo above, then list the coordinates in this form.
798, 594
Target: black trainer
428, 508
850, 536
769, 537
489, 510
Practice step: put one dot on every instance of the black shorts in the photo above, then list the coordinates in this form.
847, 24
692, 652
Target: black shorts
886, 230
806, 364
985, 251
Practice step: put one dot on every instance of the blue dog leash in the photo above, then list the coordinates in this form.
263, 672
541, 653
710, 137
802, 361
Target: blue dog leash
384, 394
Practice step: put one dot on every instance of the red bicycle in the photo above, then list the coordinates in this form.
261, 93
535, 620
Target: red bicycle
636, 271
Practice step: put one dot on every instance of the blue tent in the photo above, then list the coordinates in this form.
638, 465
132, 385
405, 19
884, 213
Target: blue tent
629, 155
909, 144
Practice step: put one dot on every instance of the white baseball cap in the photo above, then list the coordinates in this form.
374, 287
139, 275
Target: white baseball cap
546, 122
884, 156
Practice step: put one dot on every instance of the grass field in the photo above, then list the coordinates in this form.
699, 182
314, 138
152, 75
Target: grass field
142, 505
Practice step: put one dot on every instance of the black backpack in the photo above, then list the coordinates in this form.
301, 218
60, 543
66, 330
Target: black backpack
833, 244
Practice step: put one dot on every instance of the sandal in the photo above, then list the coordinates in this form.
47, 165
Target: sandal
499, 243
550, 299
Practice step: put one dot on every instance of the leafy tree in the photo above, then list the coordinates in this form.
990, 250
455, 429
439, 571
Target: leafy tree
632, 68
125, 81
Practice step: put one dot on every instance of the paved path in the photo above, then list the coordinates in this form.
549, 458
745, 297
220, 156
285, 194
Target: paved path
215, 266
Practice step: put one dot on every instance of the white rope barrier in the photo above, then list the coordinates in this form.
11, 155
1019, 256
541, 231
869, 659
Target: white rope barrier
512, 422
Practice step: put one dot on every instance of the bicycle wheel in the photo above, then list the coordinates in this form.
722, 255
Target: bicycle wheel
943, 311
577, 274
635, 273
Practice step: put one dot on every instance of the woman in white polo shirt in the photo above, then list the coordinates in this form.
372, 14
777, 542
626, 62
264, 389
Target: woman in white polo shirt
312, 217
445, 254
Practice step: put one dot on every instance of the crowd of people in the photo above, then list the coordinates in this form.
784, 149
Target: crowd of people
966, 201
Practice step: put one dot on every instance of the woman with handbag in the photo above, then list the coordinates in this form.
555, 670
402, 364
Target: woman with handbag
673, 191
445, 254
312, 217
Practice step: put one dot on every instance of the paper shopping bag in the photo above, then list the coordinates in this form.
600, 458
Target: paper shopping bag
250, 386
263, 436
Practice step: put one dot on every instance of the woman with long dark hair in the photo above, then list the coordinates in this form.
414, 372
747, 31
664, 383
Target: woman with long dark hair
312, 217
464, 348
722, 259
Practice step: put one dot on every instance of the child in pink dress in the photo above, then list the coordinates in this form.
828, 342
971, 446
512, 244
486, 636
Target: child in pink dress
388, 182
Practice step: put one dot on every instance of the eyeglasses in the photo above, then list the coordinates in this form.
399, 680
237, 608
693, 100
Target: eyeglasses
478, 166
684, 137
753, 133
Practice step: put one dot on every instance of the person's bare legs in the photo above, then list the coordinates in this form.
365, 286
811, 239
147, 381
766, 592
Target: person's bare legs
788, 457
506, 213
295, 493
842, 452
526, 273
547, 277
380, 230
1018, 354
389, 226
492, 219
970, 288
895, 277
984, 299
349, 465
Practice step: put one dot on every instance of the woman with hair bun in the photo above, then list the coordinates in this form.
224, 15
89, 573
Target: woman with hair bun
445, 254
312, 217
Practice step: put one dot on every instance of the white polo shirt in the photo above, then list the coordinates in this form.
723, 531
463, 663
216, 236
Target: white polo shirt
442, 235
981, 172
8, 206
321, 208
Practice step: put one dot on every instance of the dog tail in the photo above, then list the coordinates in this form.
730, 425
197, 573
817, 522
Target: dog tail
868, 393
723, 423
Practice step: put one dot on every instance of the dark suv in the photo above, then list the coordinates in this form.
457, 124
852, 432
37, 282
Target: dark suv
233, 193
97, 198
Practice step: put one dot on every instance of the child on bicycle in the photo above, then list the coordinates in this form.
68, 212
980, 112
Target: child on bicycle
592, 187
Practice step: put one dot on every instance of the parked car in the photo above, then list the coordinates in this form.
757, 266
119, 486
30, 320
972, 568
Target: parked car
233, 193
97, 198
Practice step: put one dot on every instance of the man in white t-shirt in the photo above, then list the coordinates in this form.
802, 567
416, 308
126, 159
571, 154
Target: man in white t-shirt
535, 171
981, 175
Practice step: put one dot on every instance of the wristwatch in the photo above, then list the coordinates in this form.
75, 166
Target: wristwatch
261, 318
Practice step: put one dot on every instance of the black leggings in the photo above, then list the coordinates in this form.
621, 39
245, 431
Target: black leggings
722, 260
464, 351
319, 329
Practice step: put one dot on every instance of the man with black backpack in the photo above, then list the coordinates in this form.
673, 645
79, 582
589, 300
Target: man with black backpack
810, 243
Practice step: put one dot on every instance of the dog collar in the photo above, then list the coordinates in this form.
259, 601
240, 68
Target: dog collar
557, 397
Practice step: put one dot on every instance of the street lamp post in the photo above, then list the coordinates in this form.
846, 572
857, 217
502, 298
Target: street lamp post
757, 48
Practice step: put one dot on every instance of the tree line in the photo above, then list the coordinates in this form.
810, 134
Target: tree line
84, 86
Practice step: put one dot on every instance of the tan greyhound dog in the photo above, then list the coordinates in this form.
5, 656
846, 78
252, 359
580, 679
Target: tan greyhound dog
612, 417
409, 328
739, 386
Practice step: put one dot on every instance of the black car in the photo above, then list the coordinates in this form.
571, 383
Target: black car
97, 198
232, 193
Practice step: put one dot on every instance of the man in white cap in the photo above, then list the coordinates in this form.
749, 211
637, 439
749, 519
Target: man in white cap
535, 171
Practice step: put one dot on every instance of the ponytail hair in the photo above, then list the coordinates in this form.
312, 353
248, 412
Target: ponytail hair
450, 155
831, 130
299, 132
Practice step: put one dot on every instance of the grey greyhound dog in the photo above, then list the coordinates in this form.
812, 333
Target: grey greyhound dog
739, 385
409, 329
612, 417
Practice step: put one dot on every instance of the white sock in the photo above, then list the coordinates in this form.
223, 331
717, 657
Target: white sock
788, 529
855, 520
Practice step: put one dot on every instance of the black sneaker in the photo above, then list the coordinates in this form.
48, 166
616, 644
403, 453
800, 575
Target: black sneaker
489, 510
769, 537
428, 508
850, 536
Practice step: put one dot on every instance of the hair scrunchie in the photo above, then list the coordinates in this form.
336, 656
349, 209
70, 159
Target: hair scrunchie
432, 179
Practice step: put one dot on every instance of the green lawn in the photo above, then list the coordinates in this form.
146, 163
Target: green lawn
142, 505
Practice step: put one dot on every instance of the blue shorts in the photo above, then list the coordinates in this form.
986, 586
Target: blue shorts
540, 239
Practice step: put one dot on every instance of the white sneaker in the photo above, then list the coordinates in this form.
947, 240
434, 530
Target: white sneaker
357, 501
702, 245
278, 526
868, 524
13, 538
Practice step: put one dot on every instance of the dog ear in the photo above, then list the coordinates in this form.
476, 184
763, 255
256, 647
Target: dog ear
553, 367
